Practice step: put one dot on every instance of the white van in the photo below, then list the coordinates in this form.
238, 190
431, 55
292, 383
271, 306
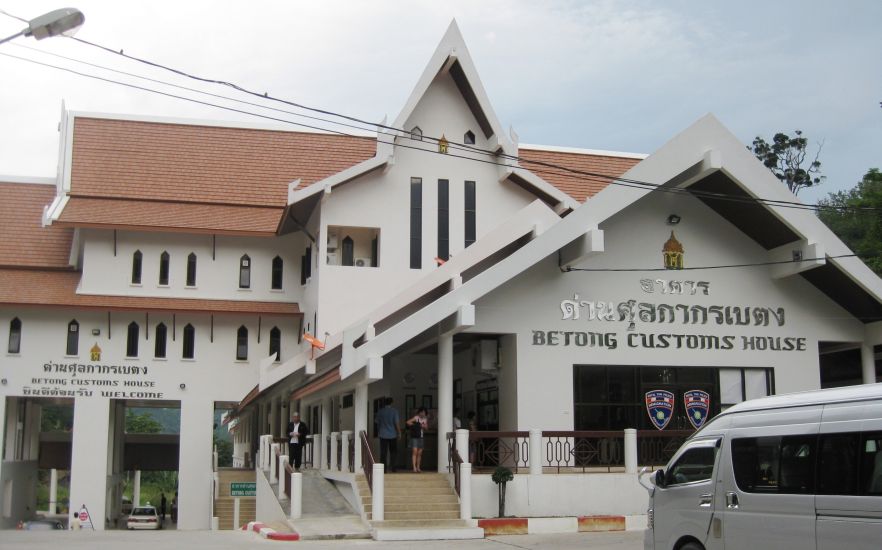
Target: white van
791, 471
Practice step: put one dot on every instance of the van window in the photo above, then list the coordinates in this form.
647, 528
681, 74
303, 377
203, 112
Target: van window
871, 463
850, 464
774, 464
695, 464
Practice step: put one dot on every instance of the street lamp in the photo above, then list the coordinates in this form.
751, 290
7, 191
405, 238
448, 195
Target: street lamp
64, 21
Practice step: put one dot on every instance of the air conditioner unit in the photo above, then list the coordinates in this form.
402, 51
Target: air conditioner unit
487, 356
332, 258
362, 262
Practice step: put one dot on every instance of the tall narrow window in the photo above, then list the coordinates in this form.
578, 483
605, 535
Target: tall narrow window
73, 338
348, 251
14, 336
163, 268
137, 258
189, 342
469, 213
306, 265
469, 138
278, 266
443, 220
191, 269
275, 347
242, 344
375, 252
160, 338
416, 223
132, 340
245, 272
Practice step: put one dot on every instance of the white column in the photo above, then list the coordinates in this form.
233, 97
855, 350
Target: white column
377, 497
344, 450
445, 396
274, 463
316, 450
136, 489
271, 418
88, 471
53, 490
465, 491
335, 440
236, 515
535, 452
630, 451
296, 495
361, 420
194, 464
868, 364
326, 431
283, 460
462, 444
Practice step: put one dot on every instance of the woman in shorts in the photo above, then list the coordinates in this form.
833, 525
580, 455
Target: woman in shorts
417, 426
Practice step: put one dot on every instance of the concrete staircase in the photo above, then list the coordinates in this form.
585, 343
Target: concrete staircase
417, 507
223, 505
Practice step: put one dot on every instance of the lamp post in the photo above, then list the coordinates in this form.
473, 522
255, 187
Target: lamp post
64, 21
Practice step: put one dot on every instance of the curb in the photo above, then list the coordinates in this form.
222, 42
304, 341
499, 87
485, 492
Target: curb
577, 524
270, 533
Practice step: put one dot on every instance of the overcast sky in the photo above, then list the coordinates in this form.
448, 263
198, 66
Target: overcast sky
622, 76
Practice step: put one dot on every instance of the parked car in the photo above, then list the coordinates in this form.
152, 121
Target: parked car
792, 471
144, 517
43, 525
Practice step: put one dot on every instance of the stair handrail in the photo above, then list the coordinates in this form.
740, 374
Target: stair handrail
457, 462
367, 459
288, 471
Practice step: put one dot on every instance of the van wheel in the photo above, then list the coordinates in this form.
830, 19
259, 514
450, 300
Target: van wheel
692, 546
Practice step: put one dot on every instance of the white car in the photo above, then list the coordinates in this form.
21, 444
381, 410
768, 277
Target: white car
144, 517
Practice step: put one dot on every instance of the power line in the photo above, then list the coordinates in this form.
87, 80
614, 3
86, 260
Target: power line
706, 267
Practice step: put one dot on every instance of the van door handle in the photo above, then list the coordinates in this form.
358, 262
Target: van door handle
731, 500
706, 500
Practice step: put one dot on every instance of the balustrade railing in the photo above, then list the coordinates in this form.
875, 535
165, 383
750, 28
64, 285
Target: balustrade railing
367, 459
457, 462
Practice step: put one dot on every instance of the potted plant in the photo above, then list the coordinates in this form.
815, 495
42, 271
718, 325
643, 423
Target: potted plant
501, 476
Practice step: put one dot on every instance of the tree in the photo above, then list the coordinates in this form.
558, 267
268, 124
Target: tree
500, 477
856, 218
141, 423
786, 158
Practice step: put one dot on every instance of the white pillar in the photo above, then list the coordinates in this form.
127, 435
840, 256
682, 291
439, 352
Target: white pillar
462, 444
53, 490
326, 431
271, 417
88, 471
344, 450
316, 450
194, 464
335, 439
274, 463
361, 420
283, 461
296, 495
136, 489
535, 452
377, 496
236, 516
445, 396
465, 491
868, 364
630, 451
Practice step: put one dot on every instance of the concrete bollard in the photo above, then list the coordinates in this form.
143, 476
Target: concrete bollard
344, 450
630, 451
215, 523
274, 473
335, 439
283, 460
462, 444
465, 491
535, 452
236, 513
377, 489
296, 495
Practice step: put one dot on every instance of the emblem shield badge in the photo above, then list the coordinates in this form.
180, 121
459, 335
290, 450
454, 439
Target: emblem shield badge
697, 407
660, 407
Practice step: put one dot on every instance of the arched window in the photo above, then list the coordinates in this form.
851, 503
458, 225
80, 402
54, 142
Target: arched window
245, 271
163, 268
14, 336
469, 138
348, 251
132, 340
189, 342
73, 338
160, 340
416, 133
278, 266
276, 343
191, 269
242, 344
137, 258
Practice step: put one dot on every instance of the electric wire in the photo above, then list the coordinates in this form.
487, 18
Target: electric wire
700, 268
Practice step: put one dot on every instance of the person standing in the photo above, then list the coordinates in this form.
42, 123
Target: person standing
389, 429
162, 504
418, 425
297, 432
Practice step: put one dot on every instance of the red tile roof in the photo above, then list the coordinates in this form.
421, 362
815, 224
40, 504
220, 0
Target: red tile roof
580, 187
22, 287
25, 242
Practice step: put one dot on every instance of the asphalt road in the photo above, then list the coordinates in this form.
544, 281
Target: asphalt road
222, 540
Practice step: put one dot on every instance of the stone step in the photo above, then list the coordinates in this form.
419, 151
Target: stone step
421, 523
427, 509
422, 515
412, 499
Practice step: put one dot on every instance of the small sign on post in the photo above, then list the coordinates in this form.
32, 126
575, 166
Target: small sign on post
243, 489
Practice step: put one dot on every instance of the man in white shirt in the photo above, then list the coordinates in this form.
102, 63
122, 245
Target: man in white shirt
297, 432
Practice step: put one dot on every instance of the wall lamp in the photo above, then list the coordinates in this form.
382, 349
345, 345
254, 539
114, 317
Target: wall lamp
3, 381
673, 219
183, 386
